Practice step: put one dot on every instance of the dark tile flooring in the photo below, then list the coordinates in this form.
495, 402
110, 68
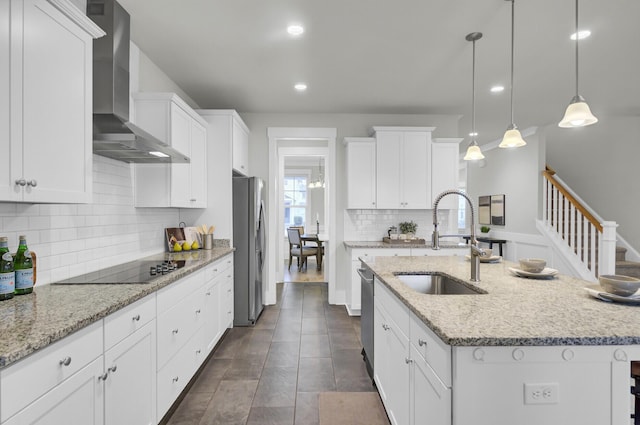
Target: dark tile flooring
272, 373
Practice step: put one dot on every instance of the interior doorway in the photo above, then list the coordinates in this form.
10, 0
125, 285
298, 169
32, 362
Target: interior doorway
319, 144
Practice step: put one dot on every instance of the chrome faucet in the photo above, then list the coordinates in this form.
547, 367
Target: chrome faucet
476, 251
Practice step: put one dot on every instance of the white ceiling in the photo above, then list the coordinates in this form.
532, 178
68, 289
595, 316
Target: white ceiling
403, 56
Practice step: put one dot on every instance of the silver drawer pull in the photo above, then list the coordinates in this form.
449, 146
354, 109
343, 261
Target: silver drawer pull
422, 343
32, 183
208, 293
113, 368
198, 311
176, 379
66, 361
21, 182
175, 331
407, 360
103, 377
385, 327
198, 351
229, 290
136, 318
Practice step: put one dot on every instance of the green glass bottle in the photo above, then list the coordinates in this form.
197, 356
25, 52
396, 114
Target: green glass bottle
24, 268
7, 274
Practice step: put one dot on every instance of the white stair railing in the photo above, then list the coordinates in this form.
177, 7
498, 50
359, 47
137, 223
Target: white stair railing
591, 239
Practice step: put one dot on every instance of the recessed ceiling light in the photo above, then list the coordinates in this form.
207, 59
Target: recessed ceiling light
300, 87
581, 34
295, 29
497, 89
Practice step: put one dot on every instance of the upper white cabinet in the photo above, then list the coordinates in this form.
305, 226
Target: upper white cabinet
171, 120
444, 170
403, 172
46, 101
240, 140
361, 172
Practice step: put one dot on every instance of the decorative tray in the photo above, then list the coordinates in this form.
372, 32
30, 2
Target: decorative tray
547, 273
596, 291
387, 239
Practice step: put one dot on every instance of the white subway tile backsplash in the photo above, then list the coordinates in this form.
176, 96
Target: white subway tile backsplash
74, 239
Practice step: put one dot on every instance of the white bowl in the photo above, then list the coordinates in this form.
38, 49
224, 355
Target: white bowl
487, 253
532, 265
619, 285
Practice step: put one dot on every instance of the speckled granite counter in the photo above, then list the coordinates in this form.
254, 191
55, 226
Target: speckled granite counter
515, 311
400, 244
31, 322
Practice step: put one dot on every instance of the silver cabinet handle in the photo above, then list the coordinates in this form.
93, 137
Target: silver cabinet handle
136, 318
113, 368
176, 379
198, 351
407, 360
66, 361
363, 277
192, 199
198, 311
229, 291
208, 293
32, 183
175, 331
21, 182
422, 343
385, 327
103, 377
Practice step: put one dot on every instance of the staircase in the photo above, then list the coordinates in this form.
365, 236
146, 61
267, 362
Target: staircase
586, 242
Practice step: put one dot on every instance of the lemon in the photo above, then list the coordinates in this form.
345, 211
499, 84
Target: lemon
177, 247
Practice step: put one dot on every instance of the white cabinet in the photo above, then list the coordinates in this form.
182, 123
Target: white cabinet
240, 141
46, 101
171, 120
130, 364
430, 399
60, 381
445, 154
217, 292
361, 172
403, 162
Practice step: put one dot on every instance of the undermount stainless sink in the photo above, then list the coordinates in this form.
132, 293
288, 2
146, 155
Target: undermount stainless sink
436, 284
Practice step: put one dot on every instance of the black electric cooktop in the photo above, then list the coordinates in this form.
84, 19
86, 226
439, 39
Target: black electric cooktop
141, 271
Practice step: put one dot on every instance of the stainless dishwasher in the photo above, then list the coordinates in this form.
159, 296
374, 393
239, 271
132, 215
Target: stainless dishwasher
366, 316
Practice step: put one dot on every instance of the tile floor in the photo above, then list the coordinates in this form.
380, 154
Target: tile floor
271, 374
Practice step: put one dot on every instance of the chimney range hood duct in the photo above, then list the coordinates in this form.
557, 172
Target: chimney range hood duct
113, 135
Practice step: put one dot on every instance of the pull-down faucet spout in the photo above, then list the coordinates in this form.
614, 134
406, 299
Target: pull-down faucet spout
473, 243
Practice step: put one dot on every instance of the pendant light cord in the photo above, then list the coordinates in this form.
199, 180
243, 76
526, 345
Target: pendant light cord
513, 4
577, 38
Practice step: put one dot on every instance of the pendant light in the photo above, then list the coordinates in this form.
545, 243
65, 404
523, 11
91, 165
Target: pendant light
512, 137
578, 113
473, 151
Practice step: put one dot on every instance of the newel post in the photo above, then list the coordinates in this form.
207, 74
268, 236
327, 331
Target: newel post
607, 262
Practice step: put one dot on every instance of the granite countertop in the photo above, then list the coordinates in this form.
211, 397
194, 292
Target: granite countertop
515, 311
400, 244
33, 321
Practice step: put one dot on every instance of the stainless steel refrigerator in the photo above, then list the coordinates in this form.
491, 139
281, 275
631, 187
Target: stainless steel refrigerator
249, 241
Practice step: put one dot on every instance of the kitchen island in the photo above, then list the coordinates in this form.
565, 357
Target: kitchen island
525, 352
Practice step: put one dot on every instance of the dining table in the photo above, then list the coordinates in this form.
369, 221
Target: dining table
318, 239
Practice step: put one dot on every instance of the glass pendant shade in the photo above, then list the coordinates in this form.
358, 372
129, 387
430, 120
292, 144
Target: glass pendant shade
512, 138
473, 153
577, 114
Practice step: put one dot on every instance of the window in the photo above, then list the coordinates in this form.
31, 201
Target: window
295, 200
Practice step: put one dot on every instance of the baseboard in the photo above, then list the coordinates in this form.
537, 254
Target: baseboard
352, 311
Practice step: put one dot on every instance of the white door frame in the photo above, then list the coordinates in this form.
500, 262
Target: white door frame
275, 222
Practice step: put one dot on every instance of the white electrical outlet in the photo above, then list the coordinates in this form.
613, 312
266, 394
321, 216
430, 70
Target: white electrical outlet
541, 393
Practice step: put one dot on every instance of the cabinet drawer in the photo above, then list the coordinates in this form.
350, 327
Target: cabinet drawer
174, 376
172, 294
128, 320
397, 311
379, 252
178, 325
219, 267
435, 352
30, 378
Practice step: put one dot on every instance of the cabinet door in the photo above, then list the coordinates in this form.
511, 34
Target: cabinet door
415, 181
388, 163
56, 106
430, 398
198, 166
180, 173
399, 373
240, 140
212, 314
361, 175
77, 400
130, 388
444, 173
380, 352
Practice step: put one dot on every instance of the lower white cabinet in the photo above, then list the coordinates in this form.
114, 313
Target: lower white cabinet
430, 399
130, 386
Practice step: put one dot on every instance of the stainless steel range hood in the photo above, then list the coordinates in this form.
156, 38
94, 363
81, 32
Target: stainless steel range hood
113, 135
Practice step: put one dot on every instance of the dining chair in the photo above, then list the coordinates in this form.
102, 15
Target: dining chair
297, 249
